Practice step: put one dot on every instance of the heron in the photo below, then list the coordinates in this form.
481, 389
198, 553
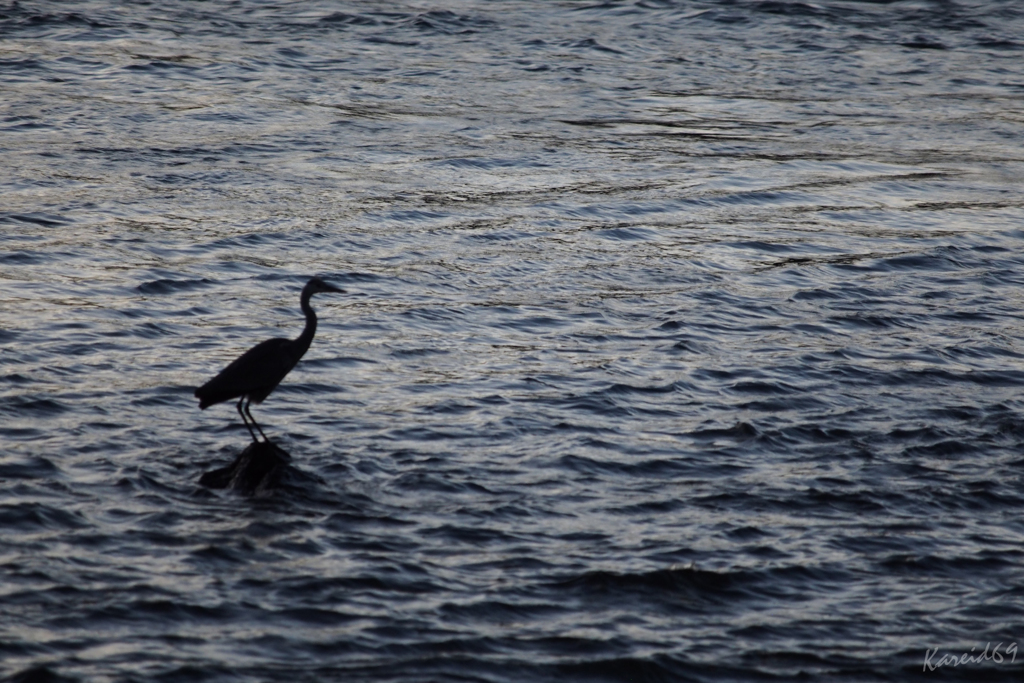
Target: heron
258, 371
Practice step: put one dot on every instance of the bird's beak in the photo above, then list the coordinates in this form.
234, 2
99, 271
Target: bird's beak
332, 288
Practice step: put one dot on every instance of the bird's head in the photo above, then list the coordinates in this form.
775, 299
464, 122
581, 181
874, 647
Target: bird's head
316, 285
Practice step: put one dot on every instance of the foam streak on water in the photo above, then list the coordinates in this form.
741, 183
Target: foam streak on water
682, 339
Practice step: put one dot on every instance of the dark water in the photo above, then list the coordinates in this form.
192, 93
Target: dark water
683, 340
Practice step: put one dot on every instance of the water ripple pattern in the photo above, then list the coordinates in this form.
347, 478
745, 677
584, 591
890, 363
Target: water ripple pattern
682, 341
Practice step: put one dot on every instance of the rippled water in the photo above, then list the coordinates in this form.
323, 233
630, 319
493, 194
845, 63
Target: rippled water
682, 339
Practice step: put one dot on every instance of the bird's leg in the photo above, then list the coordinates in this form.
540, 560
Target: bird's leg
255, 423
251, 433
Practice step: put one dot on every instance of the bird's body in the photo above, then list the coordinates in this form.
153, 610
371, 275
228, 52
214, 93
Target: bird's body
258, 371
253, 374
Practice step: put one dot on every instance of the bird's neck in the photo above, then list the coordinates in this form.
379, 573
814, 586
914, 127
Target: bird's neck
306, 338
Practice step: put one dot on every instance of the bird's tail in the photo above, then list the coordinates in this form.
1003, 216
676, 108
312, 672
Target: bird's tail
204, 399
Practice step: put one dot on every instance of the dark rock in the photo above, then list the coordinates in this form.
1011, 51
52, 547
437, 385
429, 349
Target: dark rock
260, 468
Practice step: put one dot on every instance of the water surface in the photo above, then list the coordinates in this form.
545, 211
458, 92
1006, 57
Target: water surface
681, 342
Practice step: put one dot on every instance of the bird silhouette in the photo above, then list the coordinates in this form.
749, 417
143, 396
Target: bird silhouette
258, 371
